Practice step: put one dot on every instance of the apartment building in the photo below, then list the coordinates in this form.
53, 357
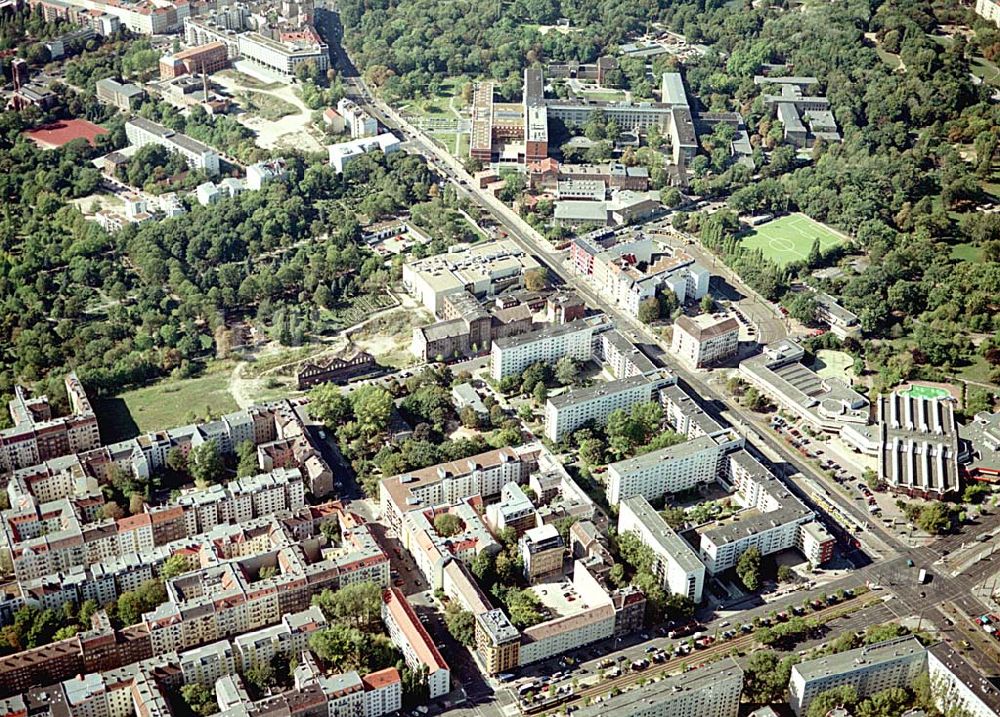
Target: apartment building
570, 410
124, 96
582, 611
498, 642
511, 355
772, 519
686, 416
958, 687
623, 358
283, 53
357, 122
870, 669
481, 269
705, 340
918, 445
142, 132
261, 173
671, 470
514, 510
677, 565
431, 550
483, 474
38, 436
710, 691
287, 639
417, 646
542, 551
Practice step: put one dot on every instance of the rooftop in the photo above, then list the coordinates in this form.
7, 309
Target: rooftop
576, 396
667, 540
638, 699
706, 326
867, 656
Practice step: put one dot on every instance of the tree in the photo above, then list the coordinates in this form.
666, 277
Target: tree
461, 624
176, 460
748, 569
673, 516
649, 310
328, 404
935, 518
205, 464
786, 574
540, 394
524, 607
766, 677
358, 605
260, 676
802, 307
592, 452
567, 371
469, 417
536, 279
372, 407
246, 455
447, 524
173, 566
112, 511
707, 304
199, 698
845, 696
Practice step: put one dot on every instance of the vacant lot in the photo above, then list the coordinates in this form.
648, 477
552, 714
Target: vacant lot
165, 404
790, 238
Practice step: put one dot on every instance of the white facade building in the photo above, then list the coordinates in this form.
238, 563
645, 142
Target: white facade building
870, 669
344, 153
510, 355
570, 410
670, 470
677, 564
141, 131
989, 9
704, 340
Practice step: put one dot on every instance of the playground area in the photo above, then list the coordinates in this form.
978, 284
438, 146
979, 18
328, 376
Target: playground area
790, 238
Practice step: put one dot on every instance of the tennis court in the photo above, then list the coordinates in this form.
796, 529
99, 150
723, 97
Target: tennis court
790, 238
929, 392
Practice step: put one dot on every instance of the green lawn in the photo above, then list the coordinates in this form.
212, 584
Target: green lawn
985, 70
966, 252
439, 103
604, 95
267, 106
165, 404
790, 238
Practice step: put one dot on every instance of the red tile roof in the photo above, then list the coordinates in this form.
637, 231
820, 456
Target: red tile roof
381, 679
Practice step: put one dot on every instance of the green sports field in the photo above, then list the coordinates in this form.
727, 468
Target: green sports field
917, 391
790, 238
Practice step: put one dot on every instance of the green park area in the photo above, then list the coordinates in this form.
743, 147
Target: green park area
165, 404
790, 238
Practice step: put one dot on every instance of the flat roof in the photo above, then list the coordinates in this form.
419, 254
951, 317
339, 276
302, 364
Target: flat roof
647, 460
582, 395
851, 660
668, 541
672, 89
637, 699
550, 332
